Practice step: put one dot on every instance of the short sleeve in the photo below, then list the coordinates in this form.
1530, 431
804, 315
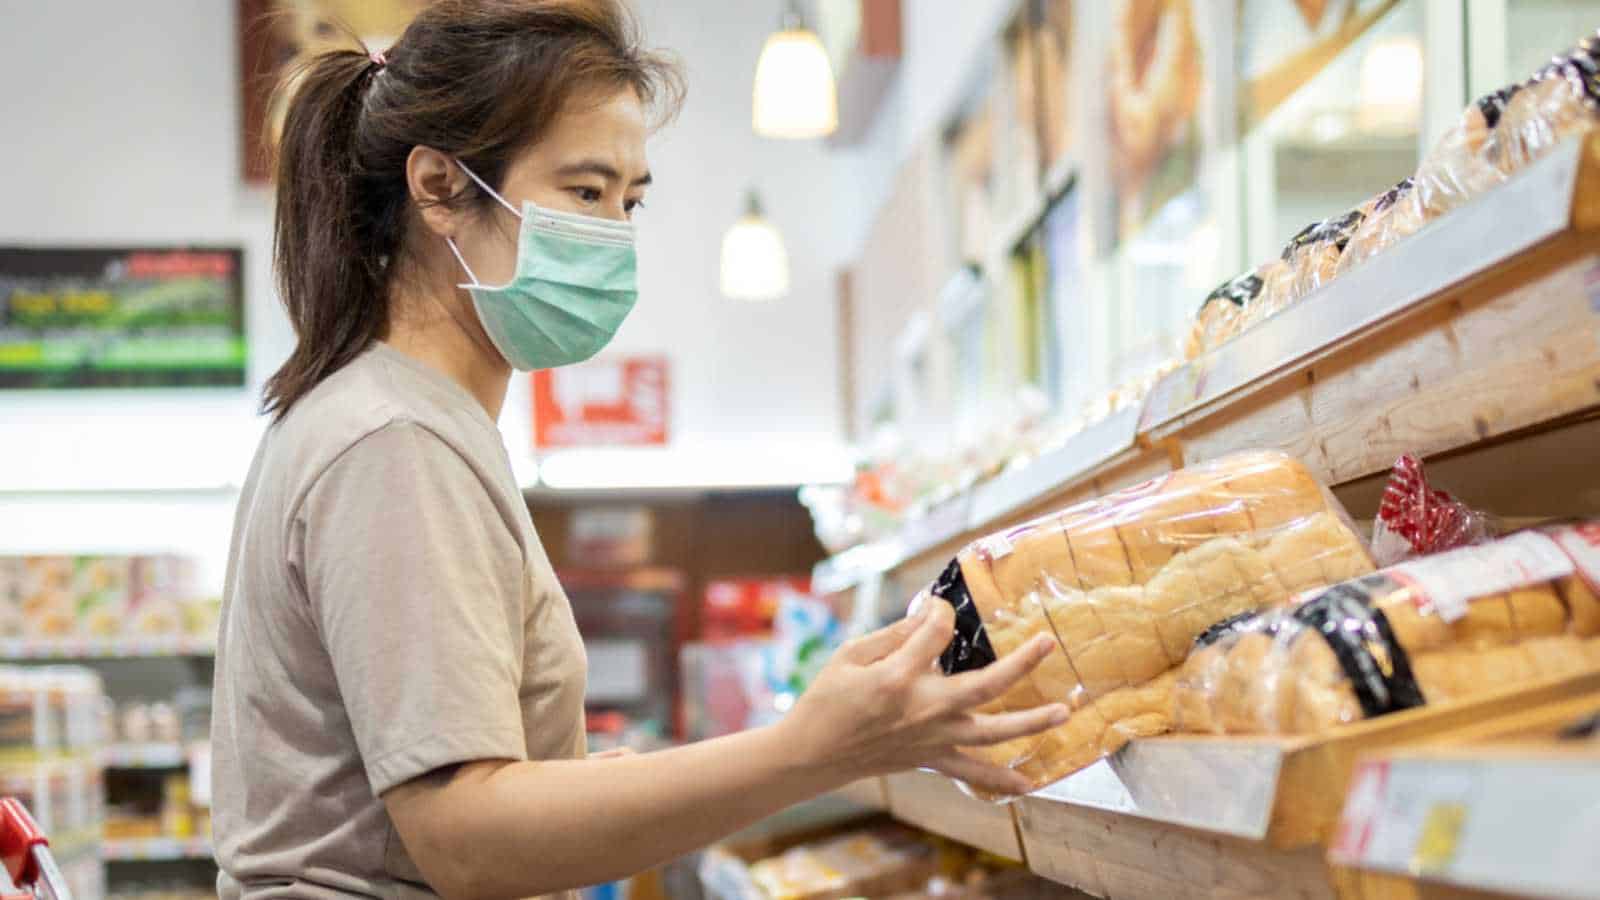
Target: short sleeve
415, 582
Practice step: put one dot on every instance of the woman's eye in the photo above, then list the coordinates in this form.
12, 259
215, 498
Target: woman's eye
587, 194
630, 206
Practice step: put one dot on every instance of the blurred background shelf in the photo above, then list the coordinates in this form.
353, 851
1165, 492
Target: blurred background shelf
154, 849
106, 648
144, 756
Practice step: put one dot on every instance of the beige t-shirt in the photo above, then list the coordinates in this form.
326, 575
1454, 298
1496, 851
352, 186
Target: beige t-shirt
388, 610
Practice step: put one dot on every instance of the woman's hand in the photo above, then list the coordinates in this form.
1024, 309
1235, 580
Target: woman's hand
882, 706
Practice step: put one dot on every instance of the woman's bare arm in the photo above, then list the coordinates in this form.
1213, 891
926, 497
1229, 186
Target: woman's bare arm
504, 829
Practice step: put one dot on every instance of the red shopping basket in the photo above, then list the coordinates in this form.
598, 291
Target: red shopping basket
29, 870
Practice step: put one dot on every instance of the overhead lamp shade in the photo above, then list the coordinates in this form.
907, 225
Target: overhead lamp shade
755, 265
794, 92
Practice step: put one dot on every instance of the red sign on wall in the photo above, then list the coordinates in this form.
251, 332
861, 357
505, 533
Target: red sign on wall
612, 402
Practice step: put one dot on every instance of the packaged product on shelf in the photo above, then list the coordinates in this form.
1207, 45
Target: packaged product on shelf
1395, 214
1126, 583
1309, 261
1222, 314
1562, 100
871, 862
1414, 519
1431, 630
1462, 164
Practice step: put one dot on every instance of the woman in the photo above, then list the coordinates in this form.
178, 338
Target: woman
399, 694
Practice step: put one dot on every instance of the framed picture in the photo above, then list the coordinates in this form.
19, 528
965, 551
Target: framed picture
121, 318
273, 34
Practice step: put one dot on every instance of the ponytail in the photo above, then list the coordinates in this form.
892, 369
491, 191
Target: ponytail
481, 80
324, 241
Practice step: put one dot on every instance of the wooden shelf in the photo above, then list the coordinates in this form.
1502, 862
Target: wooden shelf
1481, 329
1184, 816
935, 803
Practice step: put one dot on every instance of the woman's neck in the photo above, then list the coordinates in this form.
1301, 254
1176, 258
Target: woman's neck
432, 330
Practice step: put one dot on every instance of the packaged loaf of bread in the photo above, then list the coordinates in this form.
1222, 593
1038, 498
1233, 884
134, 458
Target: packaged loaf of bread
1222, 314
867, 862
1465, 162
1310, 260
1126, 583
1430, 630
1396, 213
1562, 100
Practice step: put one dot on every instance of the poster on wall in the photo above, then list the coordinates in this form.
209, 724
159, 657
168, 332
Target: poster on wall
1285, 44
274, 34
121, 318
608, 402
1155, 78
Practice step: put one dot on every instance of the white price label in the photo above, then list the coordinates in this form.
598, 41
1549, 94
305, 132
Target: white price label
1451, 580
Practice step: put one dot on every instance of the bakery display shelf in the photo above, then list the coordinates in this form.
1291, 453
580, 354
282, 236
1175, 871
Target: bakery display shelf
152, 755
105, 648
1511, 819
868, 793
936, 804
1252, 813
1483, 326
162, 849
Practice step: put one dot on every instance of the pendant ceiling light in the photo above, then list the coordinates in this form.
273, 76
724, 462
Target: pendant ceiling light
755, 265
794, 91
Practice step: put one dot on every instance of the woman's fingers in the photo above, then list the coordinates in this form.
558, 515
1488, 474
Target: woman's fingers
981, 775
933, 634
873, 646
983, 729
971, 689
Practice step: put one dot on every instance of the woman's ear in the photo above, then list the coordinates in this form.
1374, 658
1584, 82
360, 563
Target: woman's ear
434, 179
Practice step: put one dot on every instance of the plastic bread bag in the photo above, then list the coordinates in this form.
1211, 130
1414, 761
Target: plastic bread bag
1414, 519
1276, 293
1126, 583
1395, 214
1310, 260
1443, 628
1465, 161
1316, 261
1222, 314
1560, 101
864, 862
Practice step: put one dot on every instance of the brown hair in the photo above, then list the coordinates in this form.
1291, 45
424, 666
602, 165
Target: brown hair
478, 79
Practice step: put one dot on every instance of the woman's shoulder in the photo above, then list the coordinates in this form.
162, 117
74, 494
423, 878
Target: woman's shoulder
378, 394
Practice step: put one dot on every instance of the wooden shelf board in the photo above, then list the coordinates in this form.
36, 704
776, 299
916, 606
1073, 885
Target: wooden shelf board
934, 803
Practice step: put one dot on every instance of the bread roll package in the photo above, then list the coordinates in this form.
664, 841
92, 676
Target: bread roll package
1126, 583
1560, 101
1222, 314
1466, 161
1396, 213
1430, 630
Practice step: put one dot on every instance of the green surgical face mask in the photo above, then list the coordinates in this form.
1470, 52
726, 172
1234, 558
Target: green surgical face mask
574, 283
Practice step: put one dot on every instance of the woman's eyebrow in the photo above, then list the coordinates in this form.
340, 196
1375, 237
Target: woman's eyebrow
604, 170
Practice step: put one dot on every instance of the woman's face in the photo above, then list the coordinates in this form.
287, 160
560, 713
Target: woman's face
590, 162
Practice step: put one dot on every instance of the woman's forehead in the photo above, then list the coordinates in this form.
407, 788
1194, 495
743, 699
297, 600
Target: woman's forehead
610, 131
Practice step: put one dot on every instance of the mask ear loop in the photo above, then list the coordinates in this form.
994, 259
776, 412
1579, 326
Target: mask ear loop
491, 191
451, 242
496, 195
